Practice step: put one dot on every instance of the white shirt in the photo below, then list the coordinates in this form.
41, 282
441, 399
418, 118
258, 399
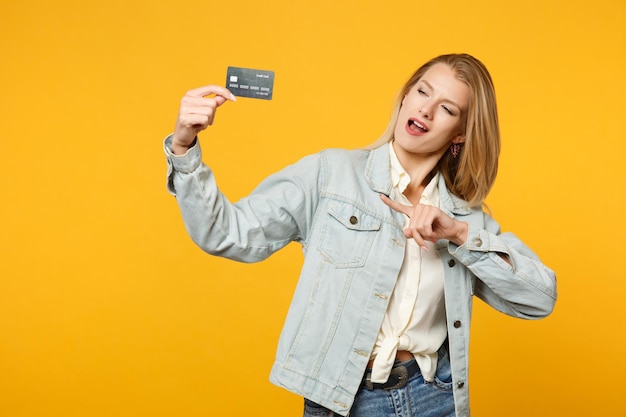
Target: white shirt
415, 319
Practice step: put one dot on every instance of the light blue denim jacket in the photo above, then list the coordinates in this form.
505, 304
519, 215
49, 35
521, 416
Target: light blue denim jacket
354, 246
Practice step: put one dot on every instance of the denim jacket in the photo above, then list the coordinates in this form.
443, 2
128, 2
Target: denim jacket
353, 248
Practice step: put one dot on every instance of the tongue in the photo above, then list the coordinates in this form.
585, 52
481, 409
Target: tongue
415, 127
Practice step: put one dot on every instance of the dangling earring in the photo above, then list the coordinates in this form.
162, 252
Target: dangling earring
455, 148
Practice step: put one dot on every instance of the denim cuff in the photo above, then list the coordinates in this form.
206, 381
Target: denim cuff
479, 242
188, 162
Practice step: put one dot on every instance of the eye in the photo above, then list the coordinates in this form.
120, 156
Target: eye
447, 109
422, 92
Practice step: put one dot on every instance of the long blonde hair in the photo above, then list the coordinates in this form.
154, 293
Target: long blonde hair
471, 175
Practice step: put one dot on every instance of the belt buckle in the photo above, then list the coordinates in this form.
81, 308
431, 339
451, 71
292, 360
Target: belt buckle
398, 374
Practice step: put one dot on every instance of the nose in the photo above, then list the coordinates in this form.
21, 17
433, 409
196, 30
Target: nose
427, 110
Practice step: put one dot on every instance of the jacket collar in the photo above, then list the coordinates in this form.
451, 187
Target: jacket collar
378, 170
449, 202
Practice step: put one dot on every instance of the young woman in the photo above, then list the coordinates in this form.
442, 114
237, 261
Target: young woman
396, 244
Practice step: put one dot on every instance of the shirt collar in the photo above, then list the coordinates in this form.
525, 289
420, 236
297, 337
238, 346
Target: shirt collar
400, 179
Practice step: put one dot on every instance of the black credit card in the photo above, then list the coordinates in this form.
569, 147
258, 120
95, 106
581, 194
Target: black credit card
247, 82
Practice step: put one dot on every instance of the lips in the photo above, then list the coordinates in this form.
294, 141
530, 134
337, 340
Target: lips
415, 127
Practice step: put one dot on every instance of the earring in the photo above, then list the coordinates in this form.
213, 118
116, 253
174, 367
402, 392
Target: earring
455, 148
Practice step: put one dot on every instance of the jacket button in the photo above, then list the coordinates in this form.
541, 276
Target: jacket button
451, 263
353, 220
460, 384
457, 324
478, 242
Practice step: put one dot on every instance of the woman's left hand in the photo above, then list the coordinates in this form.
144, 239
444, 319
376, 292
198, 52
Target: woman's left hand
428, 223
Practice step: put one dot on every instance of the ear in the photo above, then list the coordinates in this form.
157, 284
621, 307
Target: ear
460, 138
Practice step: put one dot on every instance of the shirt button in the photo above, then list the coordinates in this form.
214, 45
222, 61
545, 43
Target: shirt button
451, 263
460, 384
353, 220
457, 324
478, 242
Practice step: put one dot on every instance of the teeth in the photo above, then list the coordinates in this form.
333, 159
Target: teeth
421, 126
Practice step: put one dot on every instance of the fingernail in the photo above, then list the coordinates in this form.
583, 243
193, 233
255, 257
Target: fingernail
232, 97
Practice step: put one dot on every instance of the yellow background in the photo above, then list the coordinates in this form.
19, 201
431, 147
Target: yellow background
108, 309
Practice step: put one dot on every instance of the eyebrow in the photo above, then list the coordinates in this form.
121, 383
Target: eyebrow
454, 103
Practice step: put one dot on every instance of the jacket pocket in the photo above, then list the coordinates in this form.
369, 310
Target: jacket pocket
347, 235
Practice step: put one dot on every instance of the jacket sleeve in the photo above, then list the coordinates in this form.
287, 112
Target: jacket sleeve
278, 211
525, 288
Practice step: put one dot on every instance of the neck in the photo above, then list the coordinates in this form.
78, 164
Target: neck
421, 169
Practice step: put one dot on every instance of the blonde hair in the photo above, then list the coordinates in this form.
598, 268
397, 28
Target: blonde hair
471, 175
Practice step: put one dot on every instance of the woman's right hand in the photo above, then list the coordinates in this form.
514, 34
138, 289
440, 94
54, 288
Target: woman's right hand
196, 113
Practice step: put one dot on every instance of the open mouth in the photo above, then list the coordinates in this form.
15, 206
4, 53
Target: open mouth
416, 126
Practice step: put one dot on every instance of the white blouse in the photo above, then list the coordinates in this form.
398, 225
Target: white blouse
415, 319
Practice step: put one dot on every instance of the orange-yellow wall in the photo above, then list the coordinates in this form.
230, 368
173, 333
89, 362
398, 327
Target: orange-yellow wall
108, 309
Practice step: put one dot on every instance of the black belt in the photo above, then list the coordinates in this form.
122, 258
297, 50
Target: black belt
399, 376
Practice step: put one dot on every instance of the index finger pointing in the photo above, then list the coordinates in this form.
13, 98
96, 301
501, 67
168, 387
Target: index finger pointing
399, 207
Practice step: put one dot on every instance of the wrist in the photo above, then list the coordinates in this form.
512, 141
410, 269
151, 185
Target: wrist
181, 148
460, 237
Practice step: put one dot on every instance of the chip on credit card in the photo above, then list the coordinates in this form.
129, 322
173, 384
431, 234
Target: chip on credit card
247, 82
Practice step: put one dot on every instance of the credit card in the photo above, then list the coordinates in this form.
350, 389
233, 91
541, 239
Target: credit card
247, 82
